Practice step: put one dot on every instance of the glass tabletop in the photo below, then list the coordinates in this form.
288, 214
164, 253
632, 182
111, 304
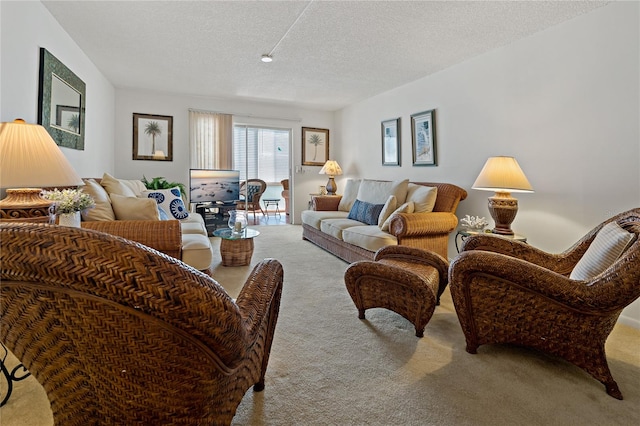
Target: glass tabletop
228, 234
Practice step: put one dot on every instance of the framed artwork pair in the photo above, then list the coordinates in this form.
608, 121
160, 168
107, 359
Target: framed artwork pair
423, 140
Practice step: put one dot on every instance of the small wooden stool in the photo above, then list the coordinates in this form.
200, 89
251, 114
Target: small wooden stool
406, 280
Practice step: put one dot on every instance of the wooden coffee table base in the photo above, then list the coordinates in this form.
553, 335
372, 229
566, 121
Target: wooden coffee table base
236, 252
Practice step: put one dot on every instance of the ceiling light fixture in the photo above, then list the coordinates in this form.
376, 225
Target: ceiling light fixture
268, 57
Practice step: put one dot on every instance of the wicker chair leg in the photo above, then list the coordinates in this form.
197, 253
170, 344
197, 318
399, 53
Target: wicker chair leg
613, 390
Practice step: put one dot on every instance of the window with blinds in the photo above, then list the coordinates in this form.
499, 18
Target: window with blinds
262, 152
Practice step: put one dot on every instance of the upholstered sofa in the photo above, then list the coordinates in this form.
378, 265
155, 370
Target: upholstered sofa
155, 218
373, 214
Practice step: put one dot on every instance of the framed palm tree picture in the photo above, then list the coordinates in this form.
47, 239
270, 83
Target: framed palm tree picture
315, 146
152, 137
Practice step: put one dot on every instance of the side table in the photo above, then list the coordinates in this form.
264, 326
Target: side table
275, 202
236, 249
463, 234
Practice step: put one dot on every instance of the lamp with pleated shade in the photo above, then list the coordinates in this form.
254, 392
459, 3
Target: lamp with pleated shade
502, 175
331, 168
30, 160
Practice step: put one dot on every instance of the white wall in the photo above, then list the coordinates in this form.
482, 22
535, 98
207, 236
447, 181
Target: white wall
25, 28
564, 102
130, 101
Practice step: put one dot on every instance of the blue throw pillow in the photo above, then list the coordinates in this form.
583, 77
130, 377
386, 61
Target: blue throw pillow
365, 212
170, 200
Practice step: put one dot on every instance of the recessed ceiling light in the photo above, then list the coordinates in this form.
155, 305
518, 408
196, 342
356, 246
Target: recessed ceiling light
266, 58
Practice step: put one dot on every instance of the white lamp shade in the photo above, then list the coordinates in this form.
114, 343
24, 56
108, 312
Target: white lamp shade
502, 174
331, 168
31, 159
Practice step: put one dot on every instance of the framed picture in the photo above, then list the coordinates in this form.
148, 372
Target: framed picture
423, 138
391, 142
61, 102
152, 137
315, 146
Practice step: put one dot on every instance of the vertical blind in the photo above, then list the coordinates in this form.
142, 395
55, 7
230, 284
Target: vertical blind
262, 152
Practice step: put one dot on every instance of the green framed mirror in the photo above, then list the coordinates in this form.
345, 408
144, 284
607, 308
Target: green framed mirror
61, 102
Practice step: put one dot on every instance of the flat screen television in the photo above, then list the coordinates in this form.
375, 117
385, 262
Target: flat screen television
211, 186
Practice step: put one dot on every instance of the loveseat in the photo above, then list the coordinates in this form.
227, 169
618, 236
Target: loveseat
155, 218
372, 214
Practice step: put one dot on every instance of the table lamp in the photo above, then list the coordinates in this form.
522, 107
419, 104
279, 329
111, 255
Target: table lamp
331, 168
30, 160
504, 176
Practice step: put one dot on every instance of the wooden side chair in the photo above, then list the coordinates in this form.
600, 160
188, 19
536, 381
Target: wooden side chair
252, 191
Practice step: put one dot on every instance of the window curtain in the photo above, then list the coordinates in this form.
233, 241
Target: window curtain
211, 140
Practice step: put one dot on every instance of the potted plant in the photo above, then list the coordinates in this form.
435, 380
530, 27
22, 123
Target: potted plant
68, 203
161, 183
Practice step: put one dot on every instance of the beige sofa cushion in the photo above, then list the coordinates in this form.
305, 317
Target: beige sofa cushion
405, 208
389, 207
133, 208
423, 197
115, 186
313, 218
102, 210
334, 227
369, 237
349, 194
378, 192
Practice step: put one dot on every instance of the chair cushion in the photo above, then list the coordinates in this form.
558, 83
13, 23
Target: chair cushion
369, 237
604, 250
170, 200
102, 210
365, 212
423, 197
252, 190
134, 208
196, 251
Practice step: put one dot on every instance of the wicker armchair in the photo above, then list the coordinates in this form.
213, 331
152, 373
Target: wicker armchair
505, 291
119, 333
251, 202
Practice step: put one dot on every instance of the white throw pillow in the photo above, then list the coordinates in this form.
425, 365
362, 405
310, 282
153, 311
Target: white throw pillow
102, 210
389, 207
407, 207
423, 197
349, 195
134, 208
170, 201
604, 250
377, 191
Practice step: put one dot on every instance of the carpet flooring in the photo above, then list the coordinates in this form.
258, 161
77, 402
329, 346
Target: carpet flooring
327, 367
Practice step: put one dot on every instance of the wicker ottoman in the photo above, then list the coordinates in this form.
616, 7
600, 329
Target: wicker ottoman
406, 280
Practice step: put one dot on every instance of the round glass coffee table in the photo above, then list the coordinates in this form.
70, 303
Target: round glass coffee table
236, 249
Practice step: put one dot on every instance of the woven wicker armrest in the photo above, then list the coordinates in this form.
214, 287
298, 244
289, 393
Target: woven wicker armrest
260, 295
325, 202
162, 235
415, 224
416, 256
562, 263
505, 272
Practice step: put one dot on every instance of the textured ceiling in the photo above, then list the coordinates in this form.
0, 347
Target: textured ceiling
337, 53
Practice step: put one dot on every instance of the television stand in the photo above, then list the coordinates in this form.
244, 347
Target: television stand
215, 215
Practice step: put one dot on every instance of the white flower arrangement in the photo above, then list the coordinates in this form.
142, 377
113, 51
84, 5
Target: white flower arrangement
69, 200
474, 222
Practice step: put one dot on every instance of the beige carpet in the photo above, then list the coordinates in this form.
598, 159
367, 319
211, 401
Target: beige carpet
328, 367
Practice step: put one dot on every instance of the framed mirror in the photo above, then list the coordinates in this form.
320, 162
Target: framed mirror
61, 102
